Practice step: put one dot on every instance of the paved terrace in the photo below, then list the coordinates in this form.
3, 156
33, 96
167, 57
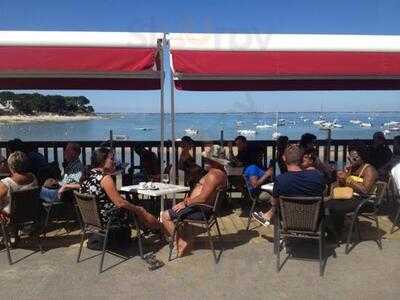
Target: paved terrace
246, 270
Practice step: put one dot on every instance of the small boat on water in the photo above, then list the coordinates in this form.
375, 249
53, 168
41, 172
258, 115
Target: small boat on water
144, 129
386, 132
366, 125
276, 135
191, 131
394, 128
336, 124
263, 126
247, 132
281, 122
120, 137
328, 125
391, 123
319, 122
355, 122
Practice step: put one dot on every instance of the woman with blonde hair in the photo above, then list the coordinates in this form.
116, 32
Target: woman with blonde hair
20, 179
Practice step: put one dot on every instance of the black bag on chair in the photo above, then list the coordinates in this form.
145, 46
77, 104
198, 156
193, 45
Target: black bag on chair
118, 238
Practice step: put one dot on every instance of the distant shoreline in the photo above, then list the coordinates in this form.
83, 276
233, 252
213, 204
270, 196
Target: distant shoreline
46, 118
241, 113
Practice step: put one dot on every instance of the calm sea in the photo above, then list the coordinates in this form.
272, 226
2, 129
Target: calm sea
147, 126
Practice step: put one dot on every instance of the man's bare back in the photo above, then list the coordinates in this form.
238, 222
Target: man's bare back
207, 188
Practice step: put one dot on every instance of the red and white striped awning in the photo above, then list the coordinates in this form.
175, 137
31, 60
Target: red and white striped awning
79, 60
285, 62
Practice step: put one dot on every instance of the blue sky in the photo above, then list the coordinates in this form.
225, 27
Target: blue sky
285, 16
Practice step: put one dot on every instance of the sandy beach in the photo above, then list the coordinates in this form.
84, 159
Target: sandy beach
45, 118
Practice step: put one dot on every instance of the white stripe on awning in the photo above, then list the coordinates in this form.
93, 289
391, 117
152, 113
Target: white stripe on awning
284, 42
80, 39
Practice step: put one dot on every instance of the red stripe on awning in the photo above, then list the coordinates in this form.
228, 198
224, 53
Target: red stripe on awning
75, 59
288, 85
277, 63
80, 83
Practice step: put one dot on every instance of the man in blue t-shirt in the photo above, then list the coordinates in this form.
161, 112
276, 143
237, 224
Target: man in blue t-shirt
255, 178
295, 182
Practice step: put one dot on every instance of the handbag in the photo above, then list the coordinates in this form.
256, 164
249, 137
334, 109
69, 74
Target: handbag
342, 193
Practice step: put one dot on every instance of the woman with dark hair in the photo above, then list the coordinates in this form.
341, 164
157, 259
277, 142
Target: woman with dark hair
309, 158
358, 175
98, 181
396, 146
307, 140
281, 145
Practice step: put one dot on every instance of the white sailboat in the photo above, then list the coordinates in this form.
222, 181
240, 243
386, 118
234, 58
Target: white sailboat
191, 131
264, 126
247, 132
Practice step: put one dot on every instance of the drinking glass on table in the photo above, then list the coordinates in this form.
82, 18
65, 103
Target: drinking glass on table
165, 178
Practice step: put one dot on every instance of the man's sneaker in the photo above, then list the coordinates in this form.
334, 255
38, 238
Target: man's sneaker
259, 217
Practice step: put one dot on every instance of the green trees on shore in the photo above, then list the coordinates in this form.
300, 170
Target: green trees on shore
36, 103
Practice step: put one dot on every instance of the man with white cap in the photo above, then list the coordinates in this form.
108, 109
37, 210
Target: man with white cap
204, 192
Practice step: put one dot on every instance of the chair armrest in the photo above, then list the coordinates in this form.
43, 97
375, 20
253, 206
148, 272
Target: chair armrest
201, 205
362, 203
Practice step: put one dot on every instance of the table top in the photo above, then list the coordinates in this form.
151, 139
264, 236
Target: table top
4, 175
161, 189
268, 187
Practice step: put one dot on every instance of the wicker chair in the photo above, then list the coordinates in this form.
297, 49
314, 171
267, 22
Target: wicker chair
301, 218
367, 208
90, 222
396, 197
25, 209
66, 205
208, 221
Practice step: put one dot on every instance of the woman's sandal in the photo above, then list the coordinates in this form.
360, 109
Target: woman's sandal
153, 262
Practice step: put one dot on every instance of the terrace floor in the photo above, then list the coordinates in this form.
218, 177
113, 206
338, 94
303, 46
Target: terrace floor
246, 270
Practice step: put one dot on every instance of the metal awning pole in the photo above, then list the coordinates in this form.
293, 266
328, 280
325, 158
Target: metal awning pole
173, 133
160, 44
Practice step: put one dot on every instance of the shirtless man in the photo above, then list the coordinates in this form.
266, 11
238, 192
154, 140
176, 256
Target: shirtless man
204, 192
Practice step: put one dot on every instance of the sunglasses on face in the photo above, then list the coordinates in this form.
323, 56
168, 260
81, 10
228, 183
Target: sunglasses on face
354, 156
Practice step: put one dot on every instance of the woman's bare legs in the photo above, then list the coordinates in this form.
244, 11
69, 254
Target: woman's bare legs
147, 218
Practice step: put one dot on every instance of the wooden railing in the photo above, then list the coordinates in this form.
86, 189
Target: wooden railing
53, 150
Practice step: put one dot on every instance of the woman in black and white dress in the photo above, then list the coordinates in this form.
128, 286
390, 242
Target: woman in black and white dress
98, 181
